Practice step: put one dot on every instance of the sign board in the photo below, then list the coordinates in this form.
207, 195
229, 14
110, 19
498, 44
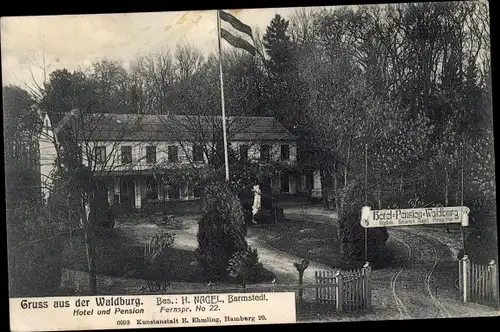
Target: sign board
416, 216
150, 311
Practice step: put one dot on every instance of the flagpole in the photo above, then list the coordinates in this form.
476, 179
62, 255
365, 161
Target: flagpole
226, 159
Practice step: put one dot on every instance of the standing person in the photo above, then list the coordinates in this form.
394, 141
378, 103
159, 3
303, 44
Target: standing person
256, 202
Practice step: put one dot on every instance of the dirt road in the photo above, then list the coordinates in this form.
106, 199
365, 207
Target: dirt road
422, 280
417, 286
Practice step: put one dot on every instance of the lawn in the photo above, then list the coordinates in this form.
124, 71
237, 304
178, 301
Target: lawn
315, 241
118, 256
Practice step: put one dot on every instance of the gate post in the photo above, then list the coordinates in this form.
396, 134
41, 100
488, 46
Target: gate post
340, 290
460, 277
367, 287
465, 278
316, 278
494, 281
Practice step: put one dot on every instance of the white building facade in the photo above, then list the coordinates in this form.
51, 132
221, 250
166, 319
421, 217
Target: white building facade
133, 154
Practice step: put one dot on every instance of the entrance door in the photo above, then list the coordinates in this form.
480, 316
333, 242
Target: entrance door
127, 193
285, 182
309, 181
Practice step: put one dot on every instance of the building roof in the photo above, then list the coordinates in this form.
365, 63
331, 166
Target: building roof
147, 127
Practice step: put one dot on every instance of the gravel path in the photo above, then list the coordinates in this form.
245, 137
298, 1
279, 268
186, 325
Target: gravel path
422, 281
419, 284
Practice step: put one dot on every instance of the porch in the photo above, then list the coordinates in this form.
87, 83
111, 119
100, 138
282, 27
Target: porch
130, 192
305, 182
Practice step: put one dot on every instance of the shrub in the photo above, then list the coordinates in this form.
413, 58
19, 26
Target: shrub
482, 247
482, 212
267, 214
103, 213
162, 240
35, 268
270, 215
34, 253
221, 229
157, 260
244, 266
352, 234
482, 243
63, 202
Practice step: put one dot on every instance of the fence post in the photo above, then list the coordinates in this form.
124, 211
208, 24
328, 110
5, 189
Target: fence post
316, 277
494, 281
340, 290
460, 277
366, 284
465, 274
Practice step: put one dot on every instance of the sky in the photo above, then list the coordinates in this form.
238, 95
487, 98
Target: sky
73, 41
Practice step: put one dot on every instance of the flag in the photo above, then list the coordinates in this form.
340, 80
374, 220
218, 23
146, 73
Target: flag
236, 27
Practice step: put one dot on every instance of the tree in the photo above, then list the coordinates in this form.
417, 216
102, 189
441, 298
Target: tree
65, 91
189, 61
153, 76
352, 234
87, 144
111, 87
33, 227
77, 104
284, 90
221, 229
33, 250
195, 102
244, 84
278, 46
336, 90
21, 126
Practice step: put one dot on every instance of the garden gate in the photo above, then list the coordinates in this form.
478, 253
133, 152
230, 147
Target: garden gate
348, 290
478, 283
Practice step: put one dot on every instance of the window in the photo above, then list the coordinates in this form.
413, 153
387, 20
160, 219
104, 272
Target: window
197, 191
151, 189
309, 180
285, 152
198, 153
265, 152
100, 155
126, 154
243, 151
174, 191
151, 154
173, 154
189, 190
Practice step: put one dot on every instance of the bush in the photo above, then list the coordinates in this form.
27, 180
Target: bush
352, 234
34, 253
221, 229
63, 203
64, 200
482, 247
35, 268
266, 215
482, 212
482, 243
101, 211
270, 215
157, 260
244, 266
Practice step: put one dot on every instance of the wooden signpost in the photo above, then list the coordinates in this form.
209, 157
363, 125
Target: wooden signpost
415, 216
